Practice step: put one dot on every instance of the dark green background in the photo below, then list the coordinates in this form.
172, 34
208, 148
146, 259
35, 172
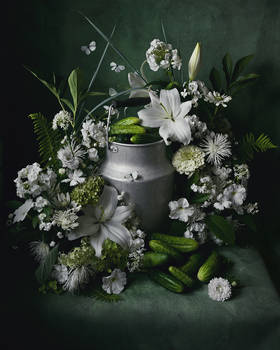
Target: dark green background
47, 35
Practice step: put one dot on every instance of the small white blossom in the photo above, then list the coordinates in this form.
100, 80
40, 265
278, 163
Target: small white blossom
114, 284
60, 235
252, 208
217, 99
93, 154
219, 289
161, 55
40, 203
61, 171
180, 210
93, 133
88, 49
116, 68
52, 243
60, 273
75, 177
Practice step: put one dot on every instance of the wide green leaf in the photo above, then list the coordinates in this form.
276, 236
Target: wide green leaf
221, 228
240, 66
75, 82
243, 82
68, 104
227, 67
45, 268
215, 79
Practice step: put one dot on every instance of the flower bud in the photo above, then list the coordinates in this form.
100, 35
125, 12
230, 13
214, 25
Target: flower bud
194, 62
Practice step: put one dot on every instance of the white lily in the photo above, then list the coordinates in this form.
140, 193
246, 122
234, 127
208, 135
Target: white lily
135, 81
105, 220
194, 62
168, 113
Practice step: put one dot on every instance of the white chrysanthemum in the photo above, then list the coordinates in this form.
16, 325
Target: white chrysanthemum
219, 289
71, 155
21, 212
216, 147
39, 250
77, 278
181, 210
114, 283
66, 219
62, 120
187, 159
217, 99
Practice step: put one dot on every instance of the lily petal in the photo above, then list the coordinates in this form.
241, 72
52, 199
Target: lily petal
121, 214
178, 130
184, 109
97, 241
135, 81
87, 227
107, 204
171, 101
152, 117
118, 233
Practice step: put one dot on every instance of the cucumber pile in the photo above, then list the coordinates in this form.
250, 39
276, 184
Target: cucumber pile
175, 264
128, 130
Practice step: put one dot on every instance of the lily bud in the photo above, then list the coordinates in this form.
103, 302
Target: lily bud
194, 62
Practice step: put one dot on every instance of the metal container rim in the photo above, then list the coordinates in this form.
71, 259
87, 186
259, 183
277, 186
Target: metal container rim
150, 144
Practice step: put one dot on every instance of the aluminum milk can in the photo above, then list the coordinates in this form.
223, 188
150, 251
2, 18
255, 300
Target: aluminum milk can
145, 174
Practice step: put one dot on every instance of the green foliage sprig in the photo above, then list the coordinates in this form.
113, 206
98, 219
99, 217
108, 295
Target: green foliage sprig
249, 145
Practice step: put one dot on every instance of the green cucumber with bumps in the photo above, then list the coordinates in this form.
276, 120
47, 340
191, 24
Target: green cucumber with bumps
127, 121
182, 244
167, 281
153, 259
144, 138
181, 276
126, 129
192, 265
161, 247
209, 268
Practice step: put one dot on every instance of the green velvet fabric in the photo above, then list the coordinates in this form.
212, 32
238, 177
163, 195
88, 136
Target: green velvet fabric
150, 317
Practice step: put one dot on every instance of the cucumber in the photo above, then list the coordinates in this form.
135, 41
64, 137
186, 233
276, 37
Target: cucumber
167, 281
144, 138
209, 268
181, 276
152, 259
192, 265
161, 247
126, 129
182, 244
127, 121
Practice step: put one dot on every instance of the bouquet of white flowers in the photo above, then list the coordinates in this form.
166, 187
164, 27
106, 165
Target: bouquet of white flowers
88, 234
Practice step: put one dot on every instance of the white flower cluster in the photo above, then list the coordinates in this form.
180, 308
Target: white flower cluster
62, 120
136, 249
161, 55
94, 135
188, 159
198, 128
217, 99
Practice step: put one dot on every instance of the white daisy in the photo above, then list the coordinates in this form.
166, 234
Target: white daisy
216, 147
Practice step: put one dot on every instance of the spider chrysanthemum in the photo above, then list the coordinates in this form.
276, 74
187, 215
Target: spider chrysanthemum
216, 147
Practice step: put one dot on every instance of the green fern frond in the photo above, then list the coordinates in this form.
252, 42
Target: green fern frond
48, 139
101, 295
250, 145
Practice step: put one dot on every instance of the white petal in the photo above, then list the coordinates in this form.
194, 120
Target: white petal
171, 101
152, 117
178, 130
97, 240
107, 203
87, 227
117, 233
184, 109
121, 214
135, 81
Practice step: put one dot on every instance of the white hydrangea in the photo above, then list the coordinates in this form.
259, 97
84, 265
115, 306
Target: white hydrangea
187, 159
93, 134
62, 119
161, 55
219, 289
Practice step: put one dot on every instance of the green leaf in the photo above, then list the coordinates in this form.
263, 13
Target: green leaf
227, 67
243, 82
35, 221
249, 145
215, 79
49, 86
14, 204
240, 66
45, 268
249, 221
68, 104
200, 198
75, 82
221, 228
157, 82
